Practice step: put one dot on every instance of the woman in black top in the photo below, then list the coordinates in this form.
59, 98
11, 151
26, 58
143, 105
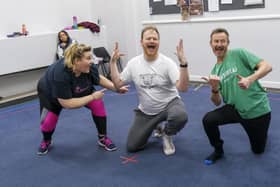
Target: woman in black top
68, 83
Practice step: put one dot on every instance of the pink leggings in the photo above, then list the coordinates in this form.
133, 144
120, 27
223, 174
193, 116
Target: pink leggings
49, 119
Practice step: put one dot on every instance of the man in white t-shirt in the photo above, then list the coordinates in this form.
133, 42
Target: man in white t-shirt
157, 79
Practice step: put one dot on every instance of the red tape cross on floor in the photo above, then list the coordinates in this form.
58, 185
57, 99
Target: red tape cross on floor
127, 159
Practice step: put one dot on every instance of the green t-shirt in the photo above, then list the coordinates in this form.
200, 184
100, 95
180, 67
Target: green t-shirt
250, 103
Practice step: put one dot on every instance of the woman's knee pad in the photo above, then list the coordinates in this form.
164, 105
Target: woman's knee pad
97, 107
48, 120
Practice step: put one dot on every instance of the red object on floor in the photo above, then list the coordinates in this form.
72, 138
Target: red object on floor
129, 159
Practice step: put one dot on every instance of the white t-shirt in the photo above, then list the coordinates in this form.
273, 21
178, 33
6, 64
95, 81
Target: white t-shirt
60, 50
155, 82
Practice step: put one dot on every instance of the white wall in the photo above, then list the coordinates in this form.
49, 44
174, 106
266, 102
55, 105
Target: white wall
114, 16
248, 34
29, 56
23, 53
260, 36
124, 19
41, 16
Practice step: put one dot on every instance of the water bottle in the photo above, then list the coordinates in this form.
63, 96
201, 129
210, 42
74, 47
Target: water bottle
75, 22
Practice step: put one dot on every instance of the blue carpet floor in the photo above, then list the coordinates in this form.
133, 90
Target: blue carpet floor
76, 160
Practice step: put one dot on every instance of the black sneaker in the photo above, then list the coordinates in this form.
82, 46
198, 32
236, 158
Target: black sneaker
211, 159
107, 144
44, 147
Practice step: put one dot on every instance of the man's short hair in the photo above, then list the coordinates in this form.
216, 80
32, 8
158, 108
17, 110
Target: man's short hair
219, 30
150, 27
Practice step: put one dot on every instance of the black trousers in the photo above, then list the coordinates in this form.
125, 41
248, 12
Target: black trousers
255, 128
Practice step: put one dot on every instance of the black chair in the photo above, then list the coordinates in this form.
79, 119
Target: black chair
102, 53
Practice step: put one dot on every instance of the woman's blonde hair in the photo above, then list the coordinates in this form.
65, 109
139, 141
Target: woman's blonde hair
74, 52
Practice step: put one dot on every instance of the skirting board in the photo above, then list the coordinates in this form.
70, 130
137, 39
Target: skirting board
6, 101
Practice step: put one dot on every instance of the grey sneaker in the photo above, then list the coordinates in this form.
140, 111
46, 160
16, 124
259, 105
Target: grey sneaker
168, 146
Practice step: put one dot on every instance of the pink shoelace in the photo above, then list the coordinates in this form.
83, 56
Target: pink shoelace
45, 144
107, 141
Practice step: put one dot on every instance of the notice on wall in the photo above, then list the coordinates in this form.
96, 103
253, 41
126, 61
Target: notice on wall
226, 1
253, 2
170, 2
213, 5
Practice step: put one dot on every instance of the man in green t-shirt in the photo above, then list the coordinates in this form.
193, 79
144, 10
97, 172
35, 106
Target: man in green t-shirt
234, 79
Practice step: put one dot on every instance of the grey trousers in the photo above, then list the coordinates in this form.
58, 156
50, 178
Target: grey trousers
174, 115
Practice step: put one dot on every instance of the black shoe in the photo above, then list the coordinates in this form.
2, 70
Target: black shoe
107, 144
211, 159
44, 147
